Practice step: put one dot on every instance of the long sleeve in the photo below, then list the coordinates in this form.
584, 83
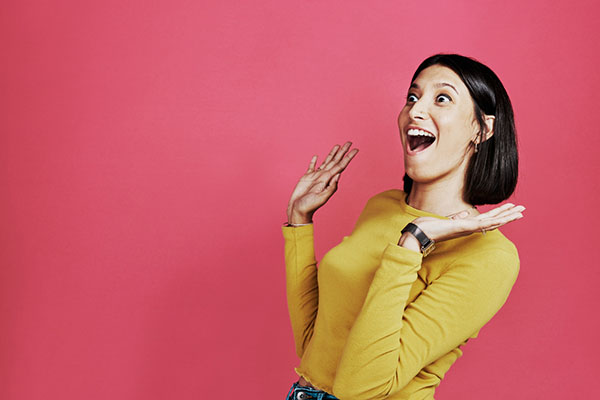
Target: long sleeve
301, 283
390, 342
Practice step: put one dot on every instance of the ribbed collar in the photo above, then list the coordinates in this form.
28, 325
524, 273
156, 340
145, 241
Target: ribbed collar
414, 211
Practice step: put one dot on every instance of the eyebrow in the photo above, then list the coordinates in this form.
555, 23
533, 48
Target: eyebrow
437, 85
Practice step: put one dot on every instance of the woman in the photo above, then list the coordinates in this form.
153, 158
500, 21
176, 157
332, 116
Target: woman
423, 270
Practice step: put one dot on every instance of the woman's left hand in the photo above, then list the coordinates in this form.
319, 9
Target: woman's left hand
462, 225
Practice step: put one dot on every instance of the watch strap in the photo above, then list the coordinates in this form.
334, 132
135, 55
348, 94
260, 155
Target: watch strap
427, 244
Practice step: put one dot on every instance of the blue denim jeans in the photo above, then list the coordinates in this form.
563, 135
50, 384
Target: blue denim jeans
298, 392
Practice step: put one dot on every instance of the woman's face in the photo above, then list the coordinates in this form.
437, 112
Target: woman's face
437, 126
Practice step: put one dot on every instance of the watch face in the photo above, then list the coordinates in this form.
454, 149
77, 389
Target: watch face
428, 249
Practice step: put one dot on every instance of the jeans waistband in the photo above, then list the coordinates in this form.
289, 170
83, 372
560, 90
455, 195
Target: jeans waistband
298, 392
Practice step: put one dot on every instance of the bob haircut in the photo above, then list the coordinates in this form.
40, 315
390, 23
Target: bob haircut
491, 175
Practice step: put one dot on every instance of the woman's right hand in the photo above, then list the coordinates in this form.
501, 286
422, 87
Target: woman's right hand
316, 186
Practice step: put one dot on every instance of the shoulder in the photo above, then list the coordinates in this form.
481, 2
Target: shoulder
380, 209
383, 204
387, 197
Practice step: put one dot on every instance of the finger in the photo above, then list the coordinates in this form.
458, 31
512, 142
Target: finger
338, 155
312, 164
330, 156
499, 221
342, 152
500, 210
495, 211
333, 182
344, 162
506, 213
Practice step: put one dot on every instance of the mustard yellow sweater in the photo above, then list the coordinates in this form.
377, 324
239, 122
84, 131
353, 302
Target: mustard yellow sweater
378, 321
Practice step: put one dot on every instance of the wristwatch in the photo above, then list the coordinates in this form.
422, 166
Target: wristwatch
427, 245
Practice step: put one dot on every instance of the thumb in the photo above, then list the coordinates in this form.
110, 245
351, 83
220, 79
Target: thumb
333, 182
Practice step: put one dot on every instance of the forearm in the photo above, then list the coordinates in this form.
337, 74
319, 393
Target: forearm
370, 360
391, 341
301, 283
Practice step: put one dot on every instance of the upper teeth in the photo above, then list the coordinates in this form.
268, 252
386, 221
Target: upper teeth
418, 132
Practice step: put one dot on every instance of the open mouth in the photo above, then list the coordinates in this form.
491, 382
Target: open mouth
419, 140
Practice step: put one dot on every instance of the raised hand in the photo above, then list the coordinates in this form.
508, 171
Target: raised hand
317, 185
462, 224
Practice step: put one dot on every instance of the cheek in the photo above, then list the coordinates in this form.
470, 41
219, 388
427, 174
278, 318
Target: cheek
458, 131
469, 123
402, 117
402, 121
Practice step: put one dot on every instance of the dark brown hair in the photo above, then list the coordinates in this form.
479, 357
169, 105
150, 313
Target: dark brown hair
491, 175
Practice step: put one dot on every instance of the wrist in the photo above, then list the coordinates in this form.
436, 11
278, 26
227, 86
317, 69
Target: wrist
425, 243
410, 242
296, 225
295, 218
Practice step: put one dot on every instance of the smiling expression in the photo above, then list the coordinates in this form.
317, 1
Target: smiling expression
437, 126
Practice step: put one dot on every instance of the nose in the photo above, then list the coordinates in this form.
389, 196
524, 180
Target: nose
418, 110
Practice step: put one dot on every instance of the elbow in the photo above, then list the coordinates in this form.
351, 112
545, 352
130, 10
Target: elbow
299, 350
300, 347
357, 386
355, 393
302, 339
344, 393
347, 392
357, 389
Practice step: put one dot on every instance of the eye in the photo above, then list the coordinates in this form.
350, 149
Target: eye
411, 98
443, 98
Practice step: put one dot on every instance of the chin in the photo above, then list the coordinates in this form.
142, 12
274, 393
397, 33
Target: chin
426, 170
420, 173
420, 164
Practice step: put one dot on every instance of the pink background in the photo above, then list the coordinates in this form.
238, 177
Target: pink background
148, 150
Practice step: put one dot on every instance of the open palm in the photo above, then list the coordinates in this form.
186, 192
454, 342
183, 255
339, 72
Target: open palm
317, 185
445, 229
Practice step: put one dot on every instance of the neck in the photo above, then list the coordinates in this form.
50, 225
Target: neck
441, 198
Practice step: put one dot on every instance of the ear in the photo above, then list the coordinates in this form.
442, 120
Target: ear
489, 121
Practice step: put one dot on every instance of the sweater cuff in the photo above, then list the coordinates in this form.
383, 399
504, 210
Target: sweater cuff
402, 255
299, 240
297, 232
